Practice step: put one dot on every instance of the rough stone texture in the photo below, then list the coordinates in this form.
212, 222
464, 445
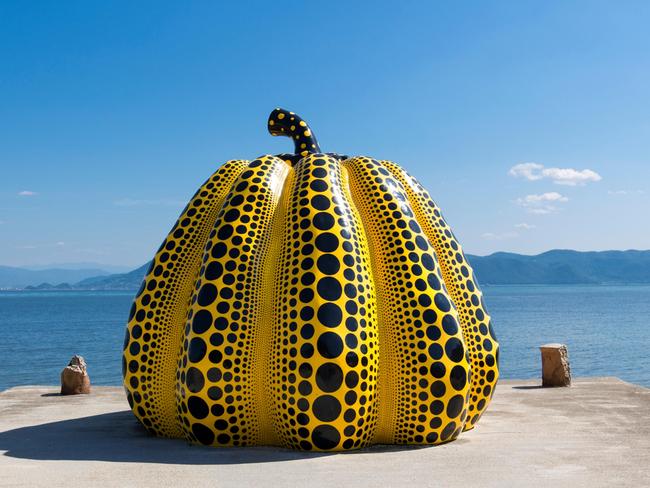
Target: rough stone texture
74, 377
556, 370
594, 434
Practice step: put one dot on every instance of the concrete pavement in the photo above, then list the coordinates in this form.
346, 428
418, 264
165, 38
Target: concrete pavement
596, 433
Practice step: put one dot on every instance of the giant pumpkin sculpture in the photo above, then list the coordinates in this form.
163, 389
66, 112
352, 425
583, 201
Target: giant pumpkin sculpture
311, 301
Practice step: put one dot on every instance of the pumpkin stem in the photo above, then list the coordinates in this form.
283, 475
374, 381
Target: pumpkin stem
285, 123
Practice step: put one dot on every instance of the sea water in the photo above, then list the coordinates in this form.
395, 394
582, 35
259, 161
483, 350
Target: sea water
607, 330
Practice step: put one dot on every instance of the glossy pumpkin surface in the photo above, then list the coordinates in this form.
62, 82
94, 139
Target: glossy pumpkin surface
309, 301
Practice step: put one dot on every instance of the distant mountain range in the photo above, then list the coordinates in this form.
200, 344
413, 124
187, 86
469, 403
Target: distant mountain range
11, 277
122, 281
563, 267
501, 268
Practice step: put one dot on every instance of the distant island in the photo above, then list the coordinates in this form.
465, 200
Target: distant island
563, 267
556, 267
121, 281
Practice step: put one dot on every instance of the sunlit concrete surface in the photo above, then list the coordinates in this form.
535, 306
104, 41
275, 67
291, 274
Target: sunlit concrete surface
596, 433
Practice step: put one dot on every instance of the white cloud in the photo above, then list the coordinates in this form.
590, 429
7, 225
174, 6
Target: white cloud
60, 243
559, 176
130, 202
570, 176
27, 193
491, 236
529, 171
541, 204
525, 226
551, 196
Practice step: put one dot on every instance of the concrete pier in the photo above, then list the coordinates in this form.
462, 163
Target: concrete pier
596, 433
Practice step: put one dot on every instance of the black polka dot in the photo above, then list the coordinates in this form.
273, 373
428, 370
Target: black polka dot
421, 243
307, 331
329, 377
436, 407
450, 325
213, 271
198, 407
351, 359
231, 215
307, 350
325, 437
225, 232
305, 370
323, 221
218, 250
214, 374
136, 332
438, 389
196, 350
307, 279
326, 408
433, 333
320, 202
207, 294
221, 323
327, 242
223, 438
330, 315
215, 393
203, 434
432, 437
458, 377
133, 366
318, 185
442, 302
328, 264
330, 345
428, 262
329, 288
429, 316
194, 380
351, 379
455, 406
304, 388
435, 351
434, 282
306, 295
215, 356
455, 349
448, 431
201, 322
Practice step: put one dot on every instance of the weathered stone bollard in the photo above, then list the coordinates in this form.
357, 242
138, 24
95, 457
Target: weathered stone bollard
556, 370
74, 377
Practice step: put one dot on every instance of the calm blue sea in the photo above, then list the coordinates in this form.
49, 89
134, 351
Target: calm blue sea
607, 329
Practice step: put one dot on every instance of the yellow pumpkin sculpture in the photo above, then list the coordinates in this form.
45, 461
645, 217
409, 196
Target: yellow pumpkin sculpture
310, 301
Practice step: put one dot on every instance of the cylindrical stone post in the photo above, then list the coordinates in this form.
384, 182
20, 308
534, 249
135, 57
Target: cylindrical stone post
555, 365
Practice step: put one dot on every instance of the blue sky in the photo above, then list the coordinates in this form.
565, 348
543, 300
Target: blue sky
529, 122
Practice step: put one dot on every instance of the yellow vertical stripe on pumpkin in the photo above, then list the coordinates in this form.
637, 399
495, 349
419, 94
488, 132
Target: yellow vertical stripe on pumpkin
464, 290
158, 314
428, 406
225, 319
